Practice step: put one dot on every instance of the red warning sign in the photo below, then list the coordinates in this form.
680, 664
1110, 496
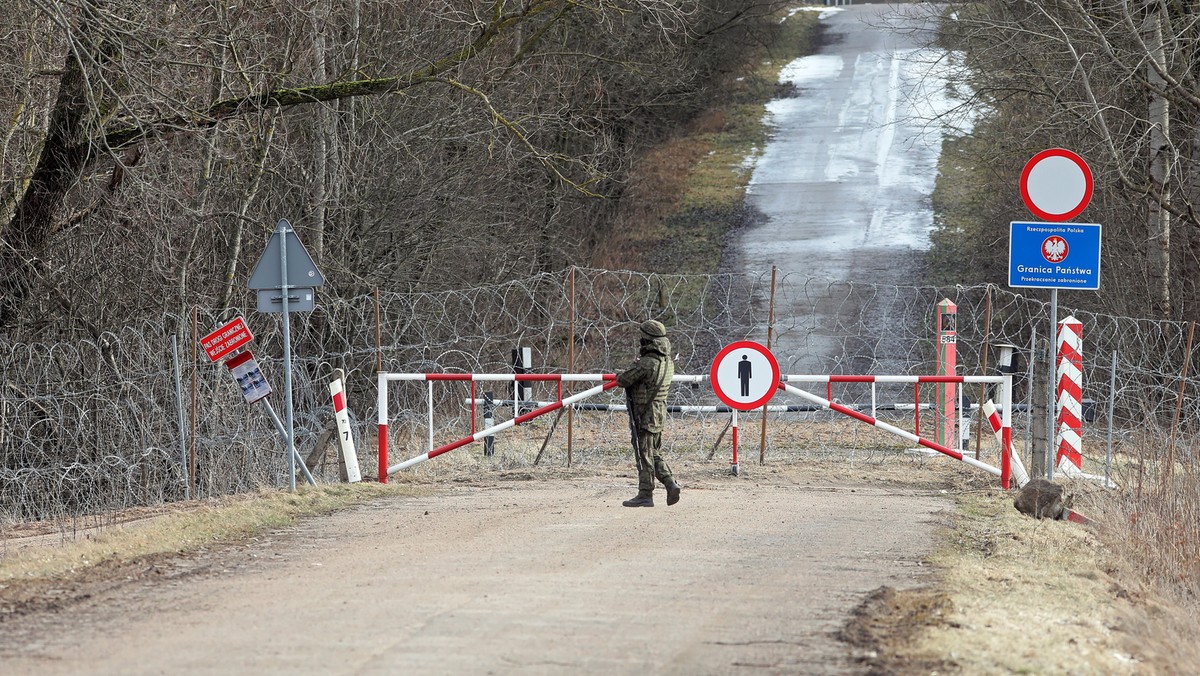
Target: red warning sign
221, 342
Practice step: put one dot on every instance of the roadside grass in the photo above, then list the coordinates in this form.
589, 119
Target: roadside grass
1028, 596
1150, 532
182, 528
1019, 595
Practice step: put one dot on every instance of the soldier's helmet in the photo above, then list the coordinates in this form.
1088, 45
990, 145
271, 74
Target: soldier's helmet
654, 328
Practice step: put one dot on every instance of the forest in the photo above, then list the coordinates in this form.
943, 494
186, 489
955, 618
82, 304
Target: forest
148, 149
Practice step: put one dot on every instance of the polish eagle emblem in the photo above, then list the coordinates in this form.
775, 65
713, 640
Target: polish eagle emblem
1054, 249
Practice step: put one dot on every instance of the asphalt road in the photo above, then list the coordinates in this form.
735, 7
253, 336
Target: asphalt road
530, 577
845, 188
847, 177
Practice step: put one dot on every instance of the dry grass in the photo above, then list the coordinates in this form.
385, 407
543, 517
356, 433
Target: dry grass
179, 529
1029, 596
1151, 529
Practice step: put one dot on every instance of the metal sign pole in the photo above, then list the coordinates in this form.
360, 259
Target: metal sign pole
266, 280
287, 361
1052, 367
283, 433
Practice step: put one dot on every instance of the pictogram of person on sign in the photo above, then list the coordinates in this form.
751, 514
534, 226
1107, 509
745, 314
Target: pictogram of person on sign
744, 375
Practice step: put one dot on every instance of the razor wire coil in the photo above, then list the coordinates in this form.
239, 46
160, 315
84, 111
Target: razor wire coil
92, 426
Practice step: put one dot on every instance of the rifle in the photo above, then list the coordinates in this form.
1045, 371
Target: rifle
633, 429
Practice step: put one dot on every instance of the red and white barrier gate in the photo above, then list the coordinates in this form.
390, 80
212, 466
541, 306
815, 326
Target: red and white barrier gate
1005, 382
997, 423
607, 380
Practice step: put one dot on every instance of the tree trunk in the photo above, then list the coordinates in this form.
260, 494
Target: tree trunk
1159, 219
64, 155
323, 132
239, 227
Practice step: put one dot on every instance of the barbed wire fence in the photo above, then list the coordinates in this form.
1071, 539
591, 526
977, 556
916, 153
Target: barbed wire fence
92, 427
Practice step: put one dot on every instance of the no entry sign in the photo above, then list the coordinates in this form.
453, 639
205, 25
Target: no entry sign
745, 375
1056, 185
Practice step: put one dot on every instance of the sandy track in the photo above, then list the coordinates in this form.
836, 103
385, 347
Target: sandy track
515, 576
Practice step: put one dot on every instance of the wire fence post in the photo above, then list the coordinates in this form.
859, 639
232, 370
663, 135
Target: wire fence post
571, 359
191, 457
1187, 360
983, 368
178, 372
762, 442
1112, 400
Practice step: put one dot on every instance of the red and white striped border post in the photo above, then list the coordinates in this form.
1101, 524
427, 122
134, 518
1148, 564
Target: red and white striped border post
1069, 437
609, 381
933, 445
946, 417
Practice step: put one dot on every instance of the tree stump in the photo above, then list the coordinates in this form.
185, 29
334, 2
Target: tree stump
1041, 499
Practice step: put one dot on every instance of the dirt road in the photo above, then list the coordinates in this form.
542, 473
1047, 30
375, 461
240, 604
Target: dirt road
511, 575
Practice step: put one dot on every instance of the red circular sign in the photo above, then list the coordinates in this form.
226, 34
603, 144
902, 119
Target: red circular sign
1054, 249
738, 376
1056, 185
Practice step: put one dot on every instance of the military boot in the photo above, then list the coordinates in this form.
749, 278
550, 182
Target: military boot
673, 489
642, 499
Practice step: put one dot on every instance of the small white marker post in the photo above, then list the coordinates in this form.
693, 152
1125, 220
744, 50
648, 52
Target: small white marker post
345, 436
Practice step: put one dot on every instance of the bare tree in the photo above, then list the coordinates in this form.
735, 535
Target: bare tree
1114, 80
413, 143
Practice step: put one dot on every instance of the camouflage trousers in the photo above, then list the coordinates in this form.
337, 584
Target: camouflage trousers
650, 463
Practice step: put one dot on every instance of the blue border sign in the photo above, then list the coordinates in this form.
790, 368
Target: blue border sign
1054, 255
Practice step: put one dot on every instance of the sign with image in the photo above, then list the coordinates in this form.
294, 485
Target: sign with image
745, 375
249, 377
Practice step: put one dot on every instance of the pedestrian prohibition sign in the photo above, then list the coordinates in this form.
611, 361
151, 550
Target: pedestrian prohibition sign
745, 375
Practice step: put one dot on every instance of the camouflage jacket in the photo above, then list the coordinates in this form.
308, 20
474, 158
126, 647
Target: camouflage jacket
648, 381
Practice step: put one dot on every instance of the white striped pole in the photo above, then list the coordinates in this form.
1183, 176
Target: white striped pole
1069, 437
825, 403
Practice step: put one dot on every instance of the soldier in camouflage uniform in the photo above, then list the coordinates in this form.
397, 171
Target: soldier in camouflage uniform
646, 385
